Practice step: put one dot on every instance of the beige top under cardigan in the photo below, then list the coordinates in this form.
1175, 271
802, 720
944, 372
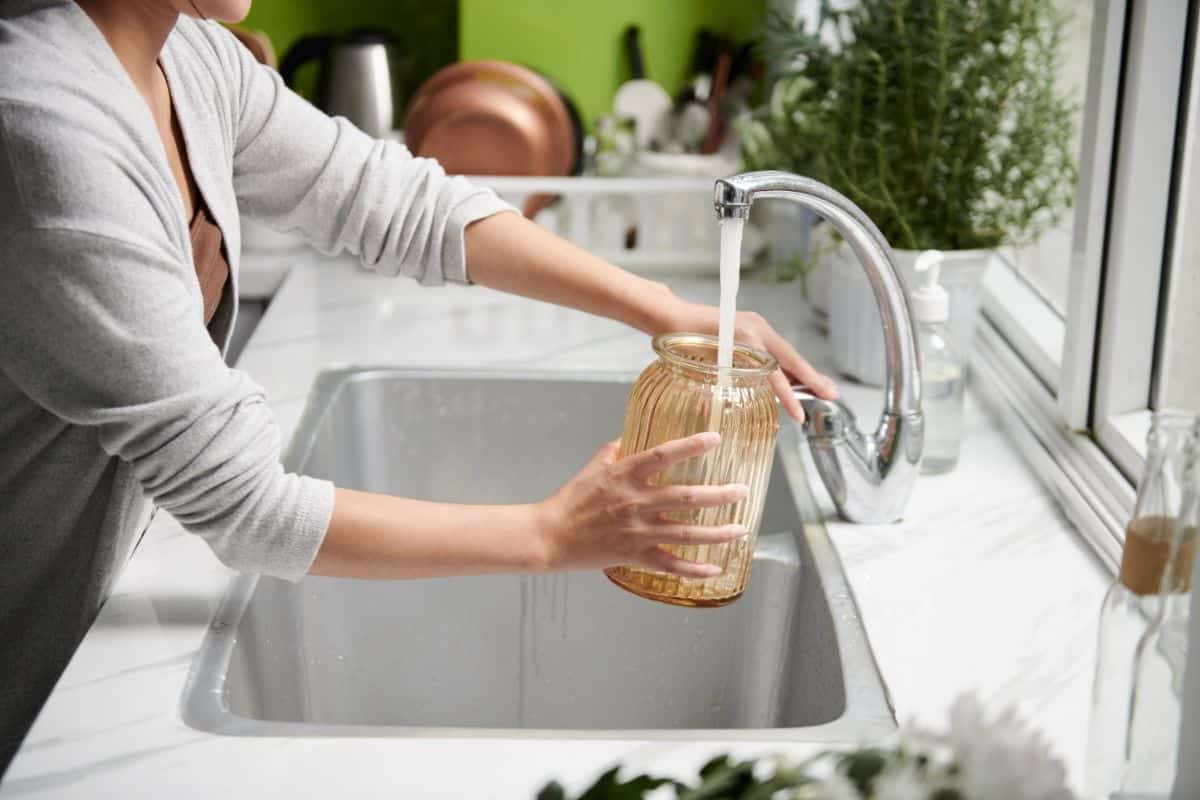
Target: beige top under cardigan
113, 394
209, 260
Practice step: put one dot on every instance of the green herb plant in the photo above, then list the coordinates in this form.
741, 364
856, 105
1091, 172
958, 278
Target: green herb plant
941, 119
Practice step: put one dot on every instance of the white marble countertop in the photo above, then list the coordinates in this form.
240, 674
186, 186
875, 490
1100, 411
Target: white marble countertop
984, 586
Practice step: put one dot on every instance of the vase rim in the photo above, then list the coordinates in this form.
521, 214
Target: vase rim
669, 345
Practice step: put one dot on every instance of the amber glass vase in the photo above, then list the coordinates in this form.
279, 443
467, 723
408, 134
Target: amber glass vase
680, 394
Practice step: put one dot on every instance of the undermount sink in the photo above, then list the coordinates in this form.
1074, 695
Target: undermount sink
517, 656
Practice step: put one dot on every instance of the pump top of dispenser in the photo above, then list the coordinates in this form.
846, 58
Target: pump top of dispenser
930, 303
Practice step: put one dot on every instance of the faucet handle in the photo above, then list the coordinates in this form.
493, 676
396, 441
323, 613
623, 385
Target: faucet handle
824, 419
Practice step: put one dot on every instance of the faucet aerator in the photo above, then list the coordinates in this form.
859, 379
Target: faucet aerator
725, 212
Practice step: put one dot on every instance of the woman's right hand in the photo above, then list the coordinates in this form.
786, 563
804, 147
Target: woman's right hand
608, 514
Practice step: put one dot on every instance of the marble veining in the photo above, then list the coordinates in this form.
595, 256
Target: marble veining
983, 586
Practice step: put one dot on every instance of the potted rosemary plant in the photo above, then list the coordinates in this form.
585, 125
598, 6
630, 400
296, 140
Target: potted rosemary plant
941, 119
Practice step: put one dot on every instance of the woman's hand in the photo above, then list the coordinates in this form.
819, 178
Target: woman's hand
608, 514
753, 330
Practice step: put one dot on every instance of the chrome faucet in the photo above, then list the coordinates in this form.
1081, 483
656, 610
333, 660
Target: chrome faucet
869, 479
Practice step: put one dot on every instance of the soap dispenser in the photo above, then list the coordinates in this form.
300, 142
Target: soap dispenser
942, 369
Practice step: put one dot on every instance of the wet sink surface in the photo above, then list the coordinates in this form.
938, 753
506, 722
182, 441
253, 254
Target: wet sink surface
510, 655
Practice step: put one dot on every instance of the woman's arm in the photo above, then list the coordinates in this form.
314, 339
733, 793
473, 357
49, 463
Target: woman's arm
297, 169
510, 253
607, 514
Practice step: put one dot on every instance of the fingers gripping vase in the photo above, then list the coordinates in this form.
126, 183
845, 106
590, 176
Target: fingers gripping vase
681, 394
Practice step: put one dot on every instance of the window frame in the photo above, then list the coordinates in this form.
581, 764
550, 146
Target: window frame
1097, 150
1179, 320
1082, 386
1137, 260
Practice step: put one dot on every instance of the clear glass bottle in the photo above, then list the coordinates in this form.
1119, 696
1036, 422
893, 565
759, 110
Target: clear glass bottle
684, 393
1156, 704
943, 374
1131, 604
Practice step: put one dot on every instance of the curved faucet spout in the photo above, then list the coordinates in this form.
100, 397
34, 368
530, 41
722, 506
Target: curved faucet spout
869, 478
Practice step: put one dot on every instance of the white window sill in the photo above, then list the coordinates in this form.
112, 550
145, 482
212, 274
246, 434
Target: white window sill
1094, 494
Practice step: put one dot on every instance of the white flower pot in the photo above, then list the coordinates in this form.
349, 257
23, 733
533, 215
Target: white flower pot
855, 330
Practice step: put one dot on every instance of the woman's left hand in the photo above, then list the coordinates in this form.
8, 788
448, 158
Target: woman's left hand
753, 330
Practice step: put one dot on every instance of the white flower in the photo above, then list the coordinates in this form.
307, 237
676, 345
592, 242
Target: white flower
918, 741
833, 787
1002, 759
938, 769
901, 782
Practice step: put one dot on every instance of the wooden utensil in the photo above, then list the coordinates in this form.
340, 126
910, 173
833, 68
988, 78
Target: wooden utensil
716, 124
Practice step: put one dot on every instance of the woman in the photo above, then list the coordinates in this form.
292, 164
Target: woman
134, 134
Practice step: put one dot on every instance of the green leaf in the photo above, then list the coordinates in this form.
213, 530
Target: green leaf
552, 791
863, 767
715, 765
723, 779
767, 789
946, 794
633, 789
609, 786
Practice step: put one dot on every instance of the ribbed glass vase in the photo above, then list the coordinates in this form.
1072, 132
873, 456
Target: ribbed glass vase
683, 393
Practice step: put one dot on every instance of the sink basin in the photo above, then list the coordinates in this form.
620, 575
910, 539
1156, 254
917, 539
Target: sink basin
520, 655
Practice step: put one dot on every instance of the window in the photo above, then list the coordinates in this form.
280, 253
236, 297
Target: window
1178, 374
1103, 313
1046, 265
1029, 287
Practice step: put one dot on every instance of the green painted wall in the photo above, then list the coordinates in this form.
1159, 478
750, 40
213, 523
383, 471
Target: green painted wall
428, 30
578, 44
575, 43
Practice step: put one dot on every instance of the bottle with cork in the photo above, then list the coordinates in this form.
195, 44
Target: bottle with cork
1156, 705
1156, 561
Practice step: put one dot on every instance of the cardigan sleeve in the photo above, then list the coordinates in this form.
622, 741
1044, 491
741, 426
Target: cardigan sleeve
295, 168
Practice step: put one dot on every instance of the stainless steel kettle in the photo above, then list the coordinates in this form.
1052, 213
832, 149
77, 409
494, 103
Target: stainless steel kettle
358, 76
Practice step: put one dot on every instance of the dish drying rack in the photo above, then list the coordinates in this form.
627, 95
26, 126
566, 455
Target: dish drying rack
653, 225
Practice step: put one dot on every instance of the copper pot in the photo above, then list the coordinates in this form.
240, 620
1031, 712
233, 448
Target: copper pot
494, 118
